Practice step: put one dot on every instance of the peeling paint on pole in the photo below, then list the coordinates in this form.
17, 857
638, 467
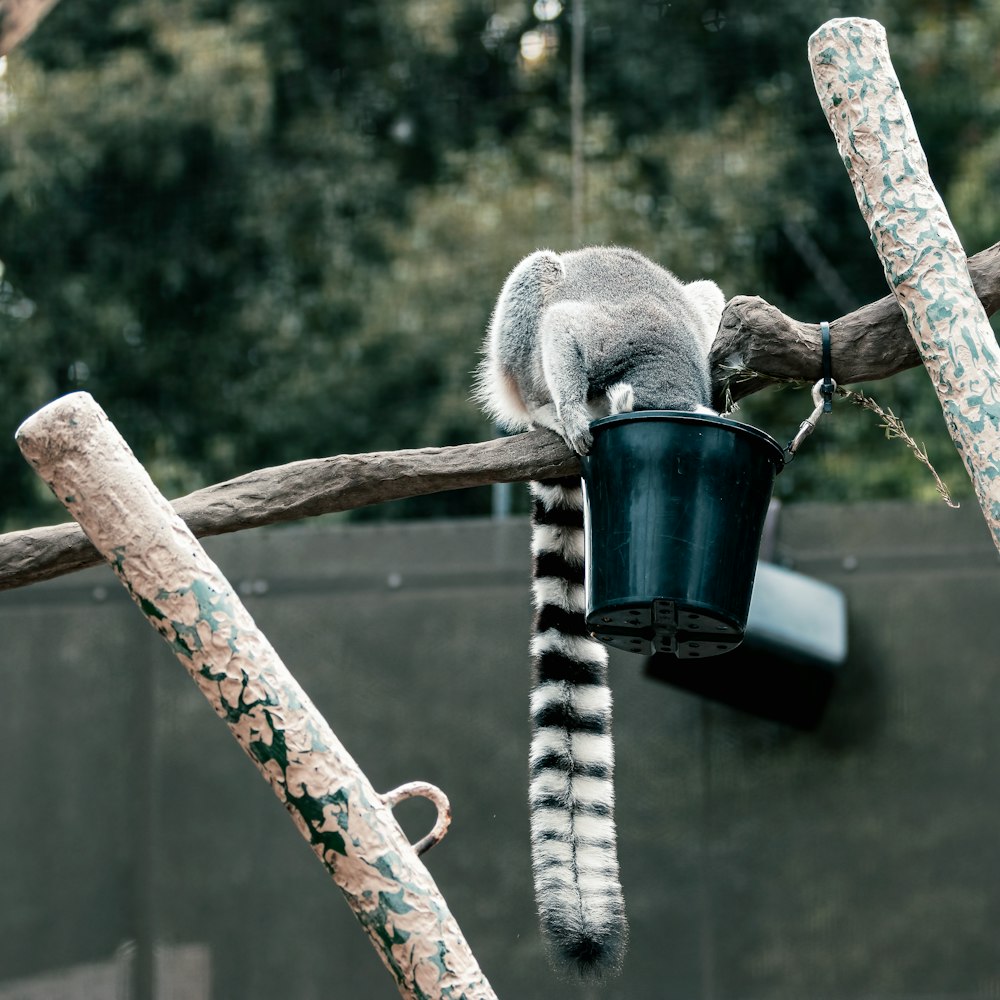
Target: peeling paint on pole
78, 452
923, 258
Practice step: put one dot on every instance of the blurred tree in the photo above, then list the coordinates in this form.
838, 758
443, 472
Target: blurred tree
263, 231
177, 249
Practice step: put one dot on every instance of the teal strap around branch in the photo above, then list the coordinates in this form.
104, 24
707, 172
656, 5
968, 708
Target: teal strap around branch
828, 383
822, 395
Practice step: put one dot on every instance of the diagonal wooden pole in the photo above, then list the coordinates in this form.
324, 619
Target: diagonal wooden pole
78, 452
920, 251
18, 19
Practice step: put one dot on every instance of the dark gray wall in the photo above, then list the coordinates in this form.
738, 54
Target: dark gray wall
861, 860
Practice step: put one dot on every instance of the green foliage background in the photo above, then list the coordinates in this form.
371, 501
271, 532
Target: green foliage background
265, 231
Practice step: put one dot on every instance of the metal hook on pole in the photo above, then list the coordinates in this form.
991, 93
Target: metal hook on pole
426, 790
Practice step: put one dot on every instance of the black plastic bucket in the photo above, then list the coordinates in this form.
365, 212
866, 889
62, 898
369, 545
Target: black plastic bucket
675, 505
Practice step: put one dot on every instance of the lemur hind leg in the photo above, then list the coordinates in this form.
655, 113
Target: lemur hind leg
510, 384
565, 328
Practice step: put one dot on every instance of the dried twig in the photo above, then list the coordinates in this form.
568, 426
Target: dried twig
895, 428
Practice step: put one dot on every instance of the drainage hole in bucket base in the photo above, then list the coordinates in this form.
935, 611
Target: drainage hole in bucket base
628, 642
687, 648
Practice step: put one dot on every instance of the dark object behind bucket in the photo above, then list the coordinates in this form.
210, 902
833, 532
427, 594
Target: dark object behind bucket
793, 652
675, 504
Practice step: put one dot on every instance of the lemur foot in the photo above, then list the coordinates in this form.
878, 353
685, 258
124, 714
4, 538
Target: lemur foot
575, 430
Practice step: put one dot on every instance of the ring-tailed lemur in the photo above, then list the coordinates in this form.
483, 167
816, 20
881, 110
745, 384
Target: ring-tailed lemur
573, 337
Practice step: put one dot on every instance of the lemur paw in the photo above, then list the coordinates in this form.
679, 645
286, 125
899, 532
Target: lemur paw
576, 432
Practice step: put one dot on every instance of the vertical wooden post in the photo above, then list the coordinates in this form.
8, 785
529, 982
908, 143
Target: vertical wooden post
78, 452
923, 258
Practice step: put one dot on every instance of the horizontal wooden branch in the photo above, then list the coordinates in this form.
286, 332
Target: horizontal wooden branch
870, 343
305, 489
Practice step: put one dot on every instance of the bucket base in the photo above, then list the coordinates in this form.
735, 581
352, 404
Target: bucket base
663, 626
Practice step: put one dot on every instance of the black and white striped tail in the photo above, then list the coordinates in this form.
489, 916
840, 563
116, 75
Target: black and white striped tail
573, 849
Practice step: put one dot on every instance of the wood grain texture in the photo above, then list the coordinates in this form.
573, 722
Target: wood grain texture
757, 343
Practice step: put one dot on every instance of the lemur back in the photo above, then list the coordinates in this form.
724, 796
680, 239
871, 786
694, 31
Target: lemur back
573, 337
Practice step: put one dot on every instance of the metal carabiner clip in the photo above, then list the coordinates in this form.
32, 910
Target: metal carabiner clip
822, 395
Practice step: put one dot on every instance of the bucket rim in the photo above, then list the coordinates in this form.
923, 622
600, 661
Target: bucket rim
687, 417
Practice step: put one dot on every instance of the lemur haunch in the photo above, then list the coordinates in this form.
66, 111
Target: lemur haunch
573, 337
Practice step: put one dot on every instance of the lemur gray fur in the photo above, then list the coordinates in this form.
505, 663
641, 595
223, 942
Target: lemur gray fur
573, 337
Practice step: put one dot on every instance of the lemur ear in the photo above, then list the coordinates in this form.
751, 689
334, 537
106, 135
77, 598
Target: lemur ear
621, 398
